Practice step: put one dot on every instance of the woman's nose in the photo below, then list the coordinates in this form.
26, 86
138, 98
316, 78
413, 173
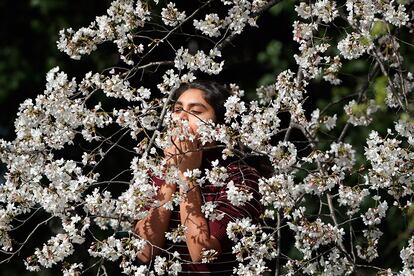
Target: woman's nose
183, 115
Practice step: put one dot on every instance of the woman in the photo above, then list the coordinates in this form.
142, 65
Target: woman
193, 102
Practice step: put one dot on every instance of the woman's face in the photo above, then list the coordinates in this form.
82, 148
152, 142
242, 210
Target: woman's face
192, 106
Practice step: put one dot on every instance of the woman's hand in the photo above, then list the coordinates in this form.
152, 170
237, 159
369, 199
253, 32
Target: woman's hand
185, 154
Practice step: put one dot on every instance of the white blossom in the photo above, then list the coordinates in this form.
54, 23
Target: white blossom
317, 183
330, 73
199, 61
171, 16
216, 175
370, 251
208, 255
283, 156
177, 234
302, 32
238, 195
396, 16
310, 236
398, 89
360, 114
355, 45
279, 191
210, 25
170, 267
344, 156
374, 215
123, 17
330, 122
210, 212
234, 108
73, 270
405, 129
407, 257
110, 249
304, 10
59, 245
351, 197
325, 10
240, 228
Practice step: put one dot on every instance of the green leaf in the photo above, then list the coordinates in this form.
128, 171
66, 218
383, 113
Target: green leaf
276, 9
380, 89
379, 28
365, 40
267, 79
271, 54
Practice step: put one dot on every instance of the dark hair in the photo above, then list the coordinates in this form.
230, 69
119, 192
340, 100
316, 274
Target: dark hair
215, 95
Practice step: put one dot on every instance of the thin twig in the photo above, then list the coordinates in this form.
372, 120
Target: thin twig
279, 239
26, 240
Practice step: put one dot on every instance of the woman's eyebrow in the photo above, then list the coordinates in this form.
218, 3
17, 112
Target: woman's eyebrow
197, 104
191, 104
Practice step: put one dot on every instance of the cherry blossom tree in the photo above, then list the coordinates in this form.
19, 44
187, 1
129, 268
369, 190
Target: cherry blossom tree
315, 159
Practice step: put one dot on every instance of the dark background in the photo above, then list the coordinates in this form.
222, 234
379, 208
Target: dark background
29, 30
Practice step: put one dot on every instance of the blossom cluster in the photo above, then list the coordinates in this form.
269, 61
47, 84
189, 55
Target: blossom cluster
122, 18
247, 236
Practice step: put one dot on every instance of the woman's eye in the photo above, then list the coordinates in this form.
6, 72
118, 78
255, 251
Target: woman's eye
177, 109
195, 111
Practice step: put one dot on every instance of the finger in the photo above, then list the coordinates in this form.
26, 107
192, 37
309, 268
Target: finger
196, 141
176, 145
183, 146
197, 137
192, 145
